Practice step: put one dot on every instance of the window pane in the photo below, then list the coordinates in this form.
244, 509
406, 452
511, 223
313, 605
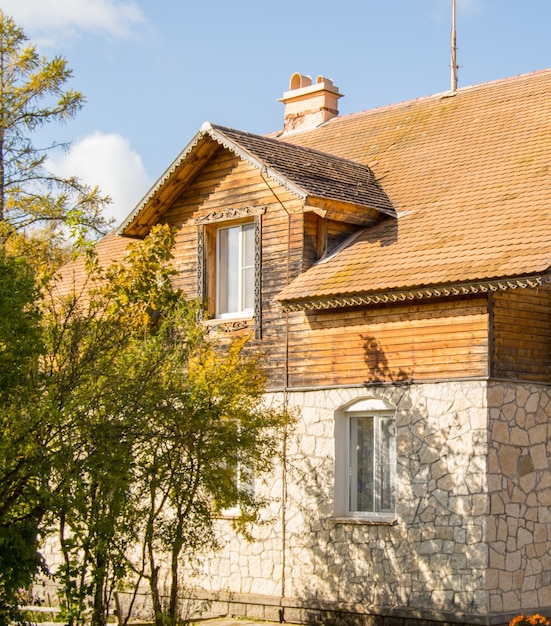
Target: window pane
361, 457
386, 464
235, 269
247, 279
228, 269
221, 271
371, 463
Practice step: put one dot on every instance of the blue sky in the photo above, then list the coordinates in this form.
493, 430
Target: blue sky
153, 70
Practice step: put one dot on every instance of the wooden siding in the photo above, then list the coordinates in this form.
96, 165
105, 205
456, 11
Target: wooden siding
505, 335
313, 239
322, 236
337, 232
521, 335
228, 182
425, 341
422, 341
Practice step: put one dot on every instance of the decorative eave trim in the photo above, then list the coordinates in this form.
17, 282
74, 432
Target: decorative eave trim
234, 213
161, 181
391, 297
220, 138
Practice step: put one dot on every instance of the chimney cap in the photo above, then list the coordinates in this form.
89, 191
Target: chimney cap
308, 105
301, 85
298, 81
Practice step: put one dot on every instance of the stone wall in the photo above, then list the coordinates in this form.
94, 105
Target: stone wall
471, 539
430, 563
519, 484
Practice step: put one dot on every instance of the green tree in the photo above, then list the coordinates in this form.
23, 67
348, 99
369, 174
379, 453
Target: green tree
154, 420
209, 436
22, 460
32, 95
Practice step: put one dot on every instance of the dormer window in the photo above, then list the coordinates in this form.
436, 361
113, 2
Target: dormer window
229, 265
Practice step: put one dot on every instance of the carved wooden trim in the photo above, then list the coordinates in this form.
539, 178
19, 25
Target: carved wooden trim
203, 269
258, 277
231, 326
460, 289
230, 214
201, 273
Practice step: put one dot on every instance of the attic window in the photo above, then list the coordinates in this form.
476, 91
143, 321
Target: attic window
235, 263
229, 264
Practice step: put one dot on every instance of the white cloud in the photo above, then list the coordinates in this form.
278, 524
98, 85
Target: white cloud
108, 161
55, 20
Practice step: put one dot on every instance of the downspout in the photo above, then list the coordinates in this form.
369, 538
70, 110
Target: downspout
286, 407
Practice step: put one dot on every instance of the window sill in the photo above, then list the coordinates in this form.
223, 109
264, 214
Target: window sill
230, 324
365, 521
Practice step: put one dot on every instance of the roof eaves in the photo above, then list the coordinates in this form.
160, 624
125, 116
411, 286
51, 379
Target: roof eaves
441, 291
162, 180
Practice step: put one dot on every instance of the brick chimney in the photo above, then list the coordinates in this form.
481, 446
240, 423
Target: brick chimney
308, 105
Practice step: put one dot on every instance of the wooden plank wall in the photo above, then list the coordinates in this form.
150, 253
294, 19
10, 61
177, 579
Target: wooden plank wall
229, 182
429, 340
322, 236
521, 335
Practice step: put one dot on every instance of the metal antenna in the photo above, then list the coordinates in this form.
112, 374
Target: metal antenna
454, 66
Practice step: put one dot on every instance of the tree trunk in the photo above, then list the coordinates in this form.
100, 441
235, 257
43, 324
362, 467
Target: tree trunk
99, 613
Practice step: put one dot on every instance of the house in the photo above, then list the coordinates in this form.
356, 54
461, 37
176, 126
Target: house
394, 264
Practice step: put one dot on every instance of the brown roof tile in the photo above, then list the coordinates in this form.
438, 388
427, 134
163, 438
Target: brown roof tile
317, 173
73, 277
470, 177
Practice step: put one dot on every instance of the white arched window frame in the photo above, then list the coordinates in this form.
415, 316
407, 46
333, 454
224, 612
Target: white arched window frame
365, 461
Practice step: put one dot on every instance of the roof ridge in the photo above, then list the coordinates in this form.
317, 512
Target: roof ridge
292, 146
441, 94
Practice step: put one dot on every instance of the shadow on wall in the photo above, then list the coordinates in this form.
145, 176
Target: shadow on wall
377, 363
431, 559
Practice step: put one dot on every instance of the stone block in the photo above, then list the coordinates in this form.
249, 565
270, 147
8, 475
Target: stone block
538, 434
539, 456
500, 432
496, 603
492, 579
496, 560
513, 561
511, 601
532, 403
508, 459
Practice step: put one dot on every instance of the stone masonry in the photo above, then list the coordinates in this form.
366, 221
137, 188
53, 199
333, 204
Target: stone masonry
471, 541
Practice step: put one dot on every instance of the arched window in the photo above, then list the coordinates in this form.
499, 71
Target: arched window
365, 471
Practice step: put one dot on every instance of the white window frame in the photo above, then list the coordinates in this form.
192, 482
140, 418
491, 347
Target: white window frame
378, 410
244, 480
242, 309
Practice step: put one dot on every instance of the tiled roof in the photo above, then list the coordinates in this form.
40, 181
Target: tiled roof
304, 171
74, 277
317, 173
469, 175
